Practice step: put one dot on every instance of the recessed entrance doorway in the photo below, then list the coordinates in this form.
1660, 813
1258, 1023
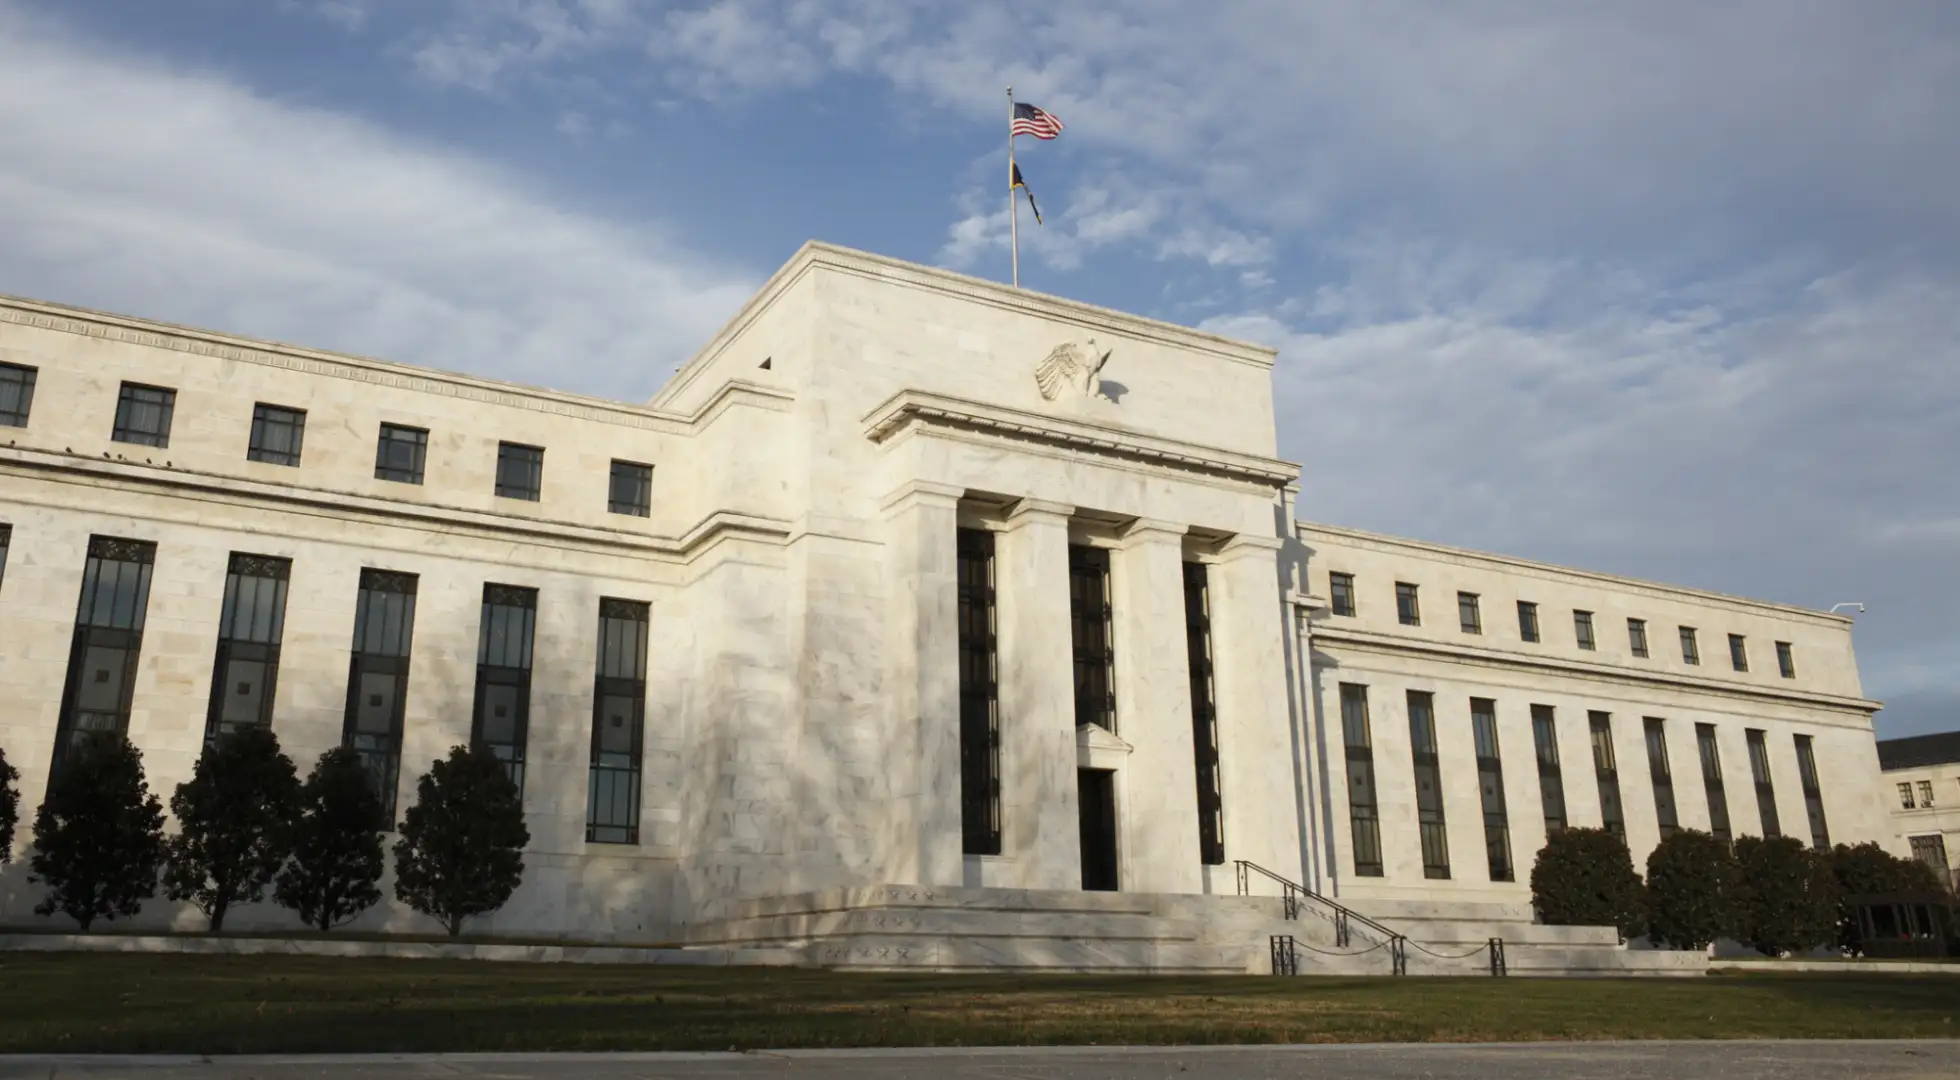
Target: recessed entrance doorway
1097, 794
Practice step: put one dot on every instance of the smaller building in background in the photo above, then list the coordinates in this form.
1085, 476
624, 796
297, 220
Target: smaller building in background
1923, 774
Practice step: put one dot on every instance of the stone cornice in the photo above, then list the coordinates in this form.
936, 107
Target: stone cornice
1383, 644
158, 335
237, 491
916, 407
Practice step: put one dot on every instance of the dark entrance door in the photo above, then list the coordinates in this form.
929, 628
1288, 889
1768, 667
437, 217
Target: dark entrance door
1097, 791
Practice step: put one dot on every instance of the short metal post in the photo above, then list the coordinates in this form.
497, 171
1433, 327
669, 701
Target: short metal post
1340, 928
1291, 899
1398, 951
1498, 967
1286, 959
1244, 890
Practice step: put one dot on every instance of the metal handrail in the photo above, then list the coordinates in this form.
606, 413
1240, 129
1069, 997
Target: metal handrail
1291, 893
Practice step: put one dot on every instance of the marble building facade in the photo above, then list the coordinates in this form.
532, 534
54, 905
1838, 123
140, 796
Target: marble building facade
907, 578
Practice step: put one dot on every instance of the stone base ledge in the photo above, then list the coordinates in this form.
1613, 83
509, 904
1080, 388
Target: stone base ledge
1842, 967
401, 950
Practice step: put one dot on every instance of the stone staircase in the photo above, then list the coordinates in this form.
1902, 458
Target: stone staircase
918, 928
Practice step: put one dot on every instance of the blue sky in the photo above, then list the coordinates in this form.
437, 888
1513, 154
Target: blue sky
1664, 289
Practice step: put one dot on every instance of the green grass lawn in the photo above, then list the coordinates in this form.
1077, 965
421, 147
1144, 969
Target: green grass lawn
89, 1003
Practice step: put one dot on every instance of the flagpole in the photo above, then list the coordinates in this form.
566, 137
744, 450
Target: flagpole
1013, 205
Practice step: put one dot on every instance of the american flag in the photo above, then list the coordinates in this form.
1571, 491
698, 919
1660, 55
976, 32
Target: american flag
1029, 120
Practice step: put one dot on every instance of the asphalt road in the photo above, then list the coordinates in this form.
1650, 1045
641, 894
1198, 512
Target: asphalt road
1540, 1061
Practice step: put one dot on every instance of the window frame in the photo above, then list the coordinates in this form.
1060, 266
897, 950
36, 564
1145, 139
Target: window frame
262, 421
1499, 863
1551, 772
1205, 743
1364, 802
1606, 772
642, 481
251, 630
1528, 630
1432, 824
383, 647
104, 623
506, 637
979, 672
1637, 637
1408, 604
512, 459
1786, 660
1583, 632
1690, 646
399, 434
1739, 653
619, 675
1469, 614
19, 379
1667, 813
1713, 786
1092, 620
1340, 593
126, 406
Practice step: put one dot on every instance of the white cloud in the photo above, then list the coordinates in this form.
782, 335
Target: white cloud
182, 195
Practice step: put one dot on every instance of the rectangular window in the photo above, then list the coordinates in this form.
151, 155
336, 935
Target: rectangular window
1926, 793
1765, 787
1931, 850
1582, 629
1663, 776
979, 695
1528, 620
631, 489
1429, 786
16, 394
1786, 661
1606, 768
619, 698
501, 719
1637, 637
1490, 785
143, 415
1363, 816
277, 433
1204, 715
1738, 652
1467, 613
1551, 778
1905, 796
1813, 795
1711, 782
250, 628
520, 471
1095, 654
1406, 608
377, 677
1690, 652
108, 640
1340, 592
400, 454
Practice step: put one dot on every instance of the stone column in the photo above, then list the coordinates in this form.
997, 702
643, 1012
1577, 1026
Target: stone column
1255, 731
1040, 820
922, 523
1158, 782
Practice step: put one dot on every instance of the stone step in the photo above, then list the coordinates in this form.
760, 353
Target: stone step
963, 922
1392, 912
918, 896
873, 952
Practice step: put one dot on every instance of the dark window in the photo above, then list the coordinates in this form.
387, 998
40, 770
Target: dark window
16, 394
1637, 637
1467, 614
1931, 850
1551, 779
1926, 793
1786, 661
1711, 782
1663, 777
143, 415
1738, 652
1363, 816
250, 627
108, 640
1905, 796
1406, 608
377, 677
401, 453
1490, 785
979, 696
1765, 786
1429, 786
520, 471
1582, 629
1095, 654
6, 541
631, 490
1813, 796
1340, 589
1606, 768
276, 434
1690, 652
501, 719
1204, 715
619, 696
1527, 620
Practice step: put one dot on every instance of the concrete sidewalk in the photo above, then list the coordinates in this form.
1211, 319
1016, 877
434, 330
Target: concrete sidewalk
1754, 1060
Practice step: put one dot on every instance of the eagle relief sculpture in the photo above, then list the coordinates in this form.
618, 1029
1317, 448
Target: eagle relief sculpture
1072, 367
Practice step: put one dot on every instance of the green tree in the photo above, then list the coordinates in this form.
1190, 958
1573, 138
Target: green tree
9, 807
235, 821
461, 851
336, 844
1585, 877
1789, 895
1869, 870
1693, 890
98, 837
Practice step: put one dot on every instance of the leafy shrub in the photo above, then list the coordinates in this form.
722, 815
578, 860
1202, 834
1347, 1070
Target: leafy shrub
235, 821
9, 807
1584, 877
462, 843
336, 844
1789, 895
1693, 887
1867, 870
98, 837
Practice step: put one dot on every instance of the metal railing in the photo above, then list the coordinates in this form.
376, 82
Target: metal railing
1293, 896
